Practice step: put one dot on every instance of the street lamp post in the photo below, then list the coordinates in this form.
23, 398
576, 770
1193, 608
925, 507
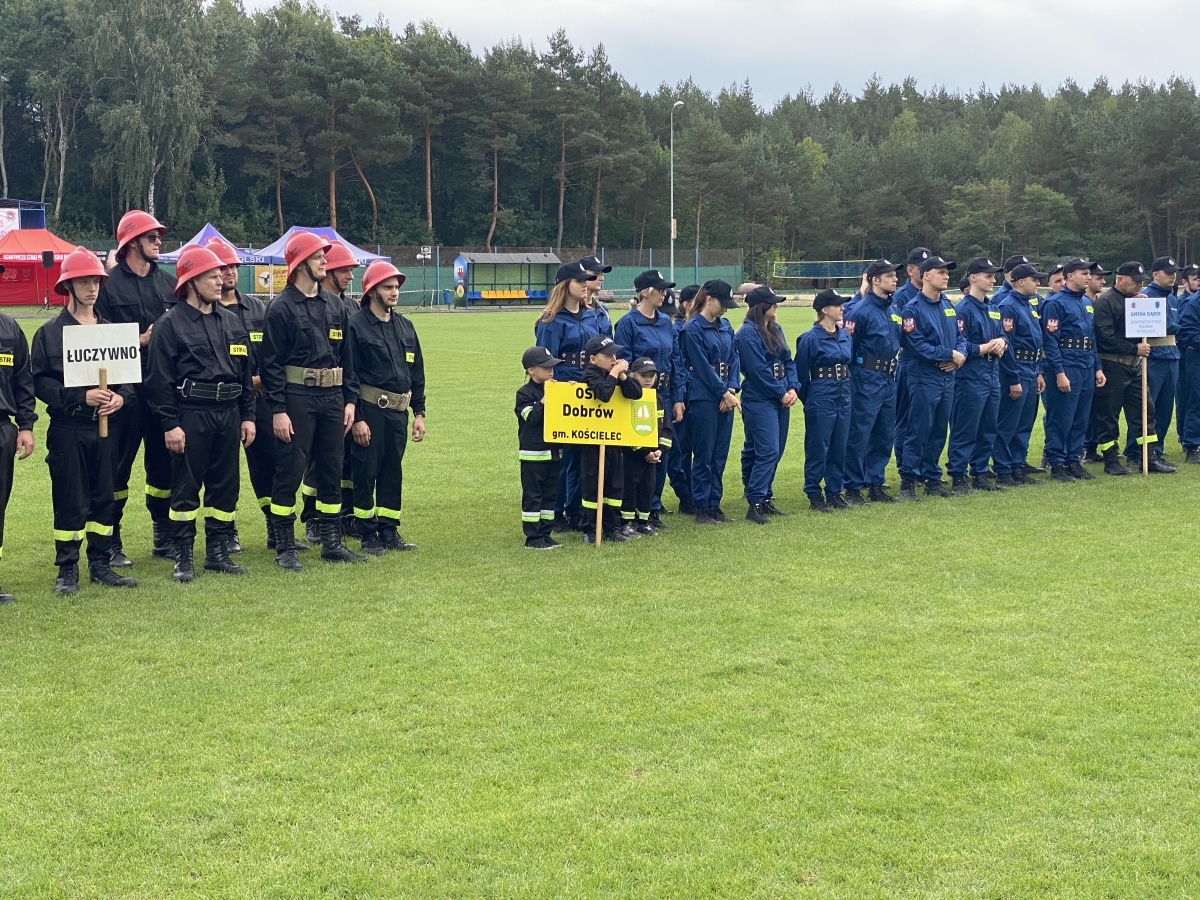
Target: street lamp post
678, 103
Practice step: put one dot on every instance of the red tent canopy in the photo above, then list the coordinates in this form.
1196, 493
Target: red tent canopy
23, 279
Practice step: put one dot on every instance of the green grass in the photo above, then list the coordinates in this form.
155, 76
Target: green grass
993, 696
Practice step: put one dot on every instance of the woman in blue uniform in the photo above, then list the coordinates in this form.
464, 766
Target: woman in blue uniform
769, 390
679, 459
591, 300
711, 394
563, 328
823, 356
647, 331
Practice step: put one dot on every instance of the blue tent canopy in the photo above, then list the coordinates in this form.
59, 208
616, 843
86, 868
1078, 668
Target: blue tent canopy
272, 254
208, 231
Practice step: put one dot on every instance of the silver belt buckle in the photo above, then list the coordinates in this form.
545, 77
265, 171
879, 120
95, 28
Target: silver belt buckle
384, 400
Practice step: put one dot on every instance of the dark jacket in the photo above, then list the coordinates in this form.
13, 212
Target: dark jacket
1109, 322
251, 312
64, 404
301, 331
385, 355
126, 297
16, 377
604, 385
531, 424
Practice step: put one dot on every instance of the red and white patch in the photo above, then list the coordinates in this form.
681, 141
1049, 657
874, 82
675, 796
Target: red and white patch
1052, 325
960, 326
910, 326
849, 326
1007, 324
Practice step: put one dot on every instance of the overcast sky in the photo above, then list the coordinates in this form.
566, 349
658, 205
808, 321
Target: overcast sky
783, 45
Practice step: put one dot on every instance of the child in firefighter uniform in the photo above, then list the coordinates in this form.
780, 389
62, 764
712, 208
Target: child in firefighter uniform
539, 460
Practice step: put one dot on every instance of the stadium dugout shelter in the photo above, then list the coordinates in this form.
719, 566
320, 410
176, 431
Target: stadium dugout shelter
504, 278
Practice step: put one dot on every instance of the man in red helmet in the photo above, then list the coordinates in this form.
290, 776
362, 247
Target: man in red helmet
16, 402
387, 372
301, 368
200, 388
139, 291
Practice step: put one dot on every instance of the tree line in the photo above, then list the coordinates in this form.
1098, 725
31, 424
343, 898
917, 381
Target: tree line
204, 112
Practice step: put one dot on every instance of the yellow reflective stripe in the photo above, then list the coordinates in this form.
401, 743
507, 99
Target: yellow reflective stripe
548, 514
628, 516
277, 510
364, 513
1103, 447
665, 442
525, 412
1147, 440
329, 507
535, 455
387, 513
347, 483
184, 515
60, 535
97, 528
531, 517
588, 504
162, 493
308, 491
264, 502
609, 501
219, 514
121, 495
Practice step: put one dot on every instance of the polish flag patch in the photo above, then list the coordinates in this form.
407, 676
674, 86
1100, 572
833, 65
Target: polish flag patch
1007, 324
849, 326
910, 325
1052, 325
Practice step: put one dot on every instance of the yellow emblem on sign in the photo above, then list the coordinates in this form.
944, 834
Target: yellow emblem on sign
237, 350
335, 334
575, 416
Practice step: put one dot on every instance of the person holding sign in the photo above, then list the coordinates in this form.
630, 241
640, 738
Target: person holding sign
82, 464
1122, 360
201, 388
1162, 372
139, 291
603, 374
301, 367
386, 371
712, 394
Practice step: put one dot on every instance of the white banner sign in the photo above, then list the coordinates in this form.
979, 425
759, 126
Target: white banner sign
1145, 317
89, 348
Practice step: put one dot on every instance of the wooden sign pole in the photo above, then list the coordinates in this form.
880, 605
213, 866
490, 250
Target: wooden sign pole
1145, 416
600, 498
104, 387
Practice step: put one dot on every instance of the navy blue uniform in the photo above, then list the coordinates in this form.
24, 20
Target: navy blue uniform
565, 338
976, 390
874, 328
823, 371
713, 369
679, 460
1188, 339
1021, 365
1069, 342
1162, 372
768, 373
901, 299
1182, 391
930, 334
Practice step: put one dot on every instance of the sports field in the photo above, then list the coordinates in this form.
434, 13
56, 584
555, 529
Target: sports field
992, 696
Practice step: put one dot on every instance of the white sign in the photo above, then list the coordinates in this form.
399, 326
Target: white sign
1145, 317
89, 348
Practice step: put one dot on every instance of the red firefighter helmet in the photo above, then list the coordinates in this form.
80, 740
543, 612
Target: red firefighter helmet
339, 257
79, 263
193, 260
223, 250
301, 246
134, 224
379, 270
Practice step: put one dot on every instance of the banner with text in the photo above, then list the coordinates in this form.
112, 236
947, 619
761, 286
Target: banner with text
575, 416
89, 348
1145, 317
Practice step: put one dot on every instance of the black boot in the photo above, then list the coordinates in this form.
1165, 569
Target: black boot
6, 597
1022, 479
371, 545
655, 521
285, 545
164, 547
757, 514
854, 497
959, 484
818, 504
935, 488
1060, 473
349, 525
1158, 466
233, 543
717, 516
983, 483
1112, 462
1091, 456
390, 537
1193, 457
270, 530
184, 570
332, 548
1006, 481
836, 501
1036, 470
686, 507
908, 490
101, 573
116, 554
1079, 472
878, 494
704, 516
67, 581
312, 532
561, 524
216, 558
771, 508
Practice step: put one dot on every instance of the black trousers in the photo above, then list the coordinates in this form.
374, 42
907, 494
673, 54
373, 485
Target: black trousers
210, 461
137, 426
614, 484
539, 492
8, 454
377, 469
308, 487
639, 483
316, 415
260, 455
81, 488
1122, 390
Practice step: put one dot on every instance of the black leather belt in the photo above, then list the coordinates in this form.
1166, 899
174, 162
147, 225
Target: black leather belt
573, 359
989, 357
1079, 343
1027, 355
779, 370
840, 372
84, 412
219, 391
664, 381
722, 370
876, 364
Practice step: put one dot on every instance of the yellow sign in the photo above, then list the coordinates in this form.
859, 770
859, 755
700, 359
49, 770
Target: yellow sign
575, 416
270, 279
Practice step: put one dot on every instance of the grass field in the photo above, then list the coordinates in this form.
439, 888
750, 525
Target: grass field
993, 696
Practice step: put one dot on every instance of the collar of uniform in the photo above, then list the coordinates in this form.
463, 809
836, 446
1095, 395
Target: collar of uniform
124, 267
1075, 295
189, 310
984, 302
881, 302
817, 326
375, 320
642, 319
922, 295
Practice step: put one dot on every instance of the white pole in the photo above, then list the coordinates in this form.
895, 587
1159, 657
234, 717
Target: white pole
678, 103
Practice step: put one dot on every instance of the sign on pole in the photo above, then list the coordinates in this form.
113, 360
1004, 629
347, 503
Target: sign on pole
89, 348
575, 416
1145, 317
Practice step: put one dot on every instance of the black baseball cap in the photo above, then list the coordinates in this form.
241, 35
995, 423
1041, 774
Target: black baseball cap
722, 290
981, 264
917, 255
762, 294
1164, 264
1075, 264
538, 356
651, 279
1099, 270
1013, 261
643, 364
1055, 269
688, 292
936, 262
1026, 270
882, 267
573, 272
828, 297
1133, 269
592, 264
601, 343
1190, 271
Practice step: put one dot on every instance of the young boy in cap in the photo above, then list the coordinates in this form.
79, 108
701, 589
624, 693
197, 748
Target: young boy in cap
539, 460
604, 373
642, 464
